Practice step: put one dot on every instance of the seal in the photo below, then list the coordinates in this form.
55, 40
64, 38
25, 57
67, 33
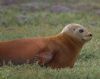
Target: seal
57, 51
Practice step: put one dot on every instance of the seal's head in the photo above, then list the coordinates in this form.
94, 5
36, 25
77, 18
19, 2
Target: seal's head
78, 31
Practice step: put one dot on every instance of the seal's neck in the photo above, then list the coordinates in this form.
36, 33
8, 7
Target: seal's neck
73, 42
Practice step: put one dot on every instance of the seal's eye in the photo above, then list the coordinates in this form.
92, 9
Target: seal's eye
81, 30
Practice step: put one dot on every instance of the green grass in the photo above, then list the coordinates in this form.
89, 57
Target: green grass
45, 24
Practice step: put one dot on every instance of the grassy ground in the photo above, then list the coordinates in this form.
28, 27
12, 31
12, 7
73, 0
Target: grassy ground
15, 23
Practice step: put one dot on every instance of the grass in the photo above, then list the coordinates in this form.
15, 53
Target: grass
15, 24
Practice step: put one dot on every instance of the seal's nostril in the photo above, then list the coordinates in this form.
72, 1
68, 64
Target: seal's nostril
90, 34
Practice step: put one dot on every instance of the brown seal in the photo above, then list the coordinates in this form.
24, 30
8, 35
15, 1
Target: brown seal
58, 51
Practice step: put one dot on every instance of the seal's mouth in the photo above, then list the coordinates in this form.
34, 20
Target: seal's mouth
87, 37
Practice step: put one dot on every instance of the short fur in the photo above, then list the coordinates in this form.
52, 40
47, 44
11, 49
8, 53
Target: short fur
57, 51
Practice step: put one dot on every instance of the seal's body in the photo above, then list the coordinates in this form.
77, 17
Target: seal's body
57, 51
